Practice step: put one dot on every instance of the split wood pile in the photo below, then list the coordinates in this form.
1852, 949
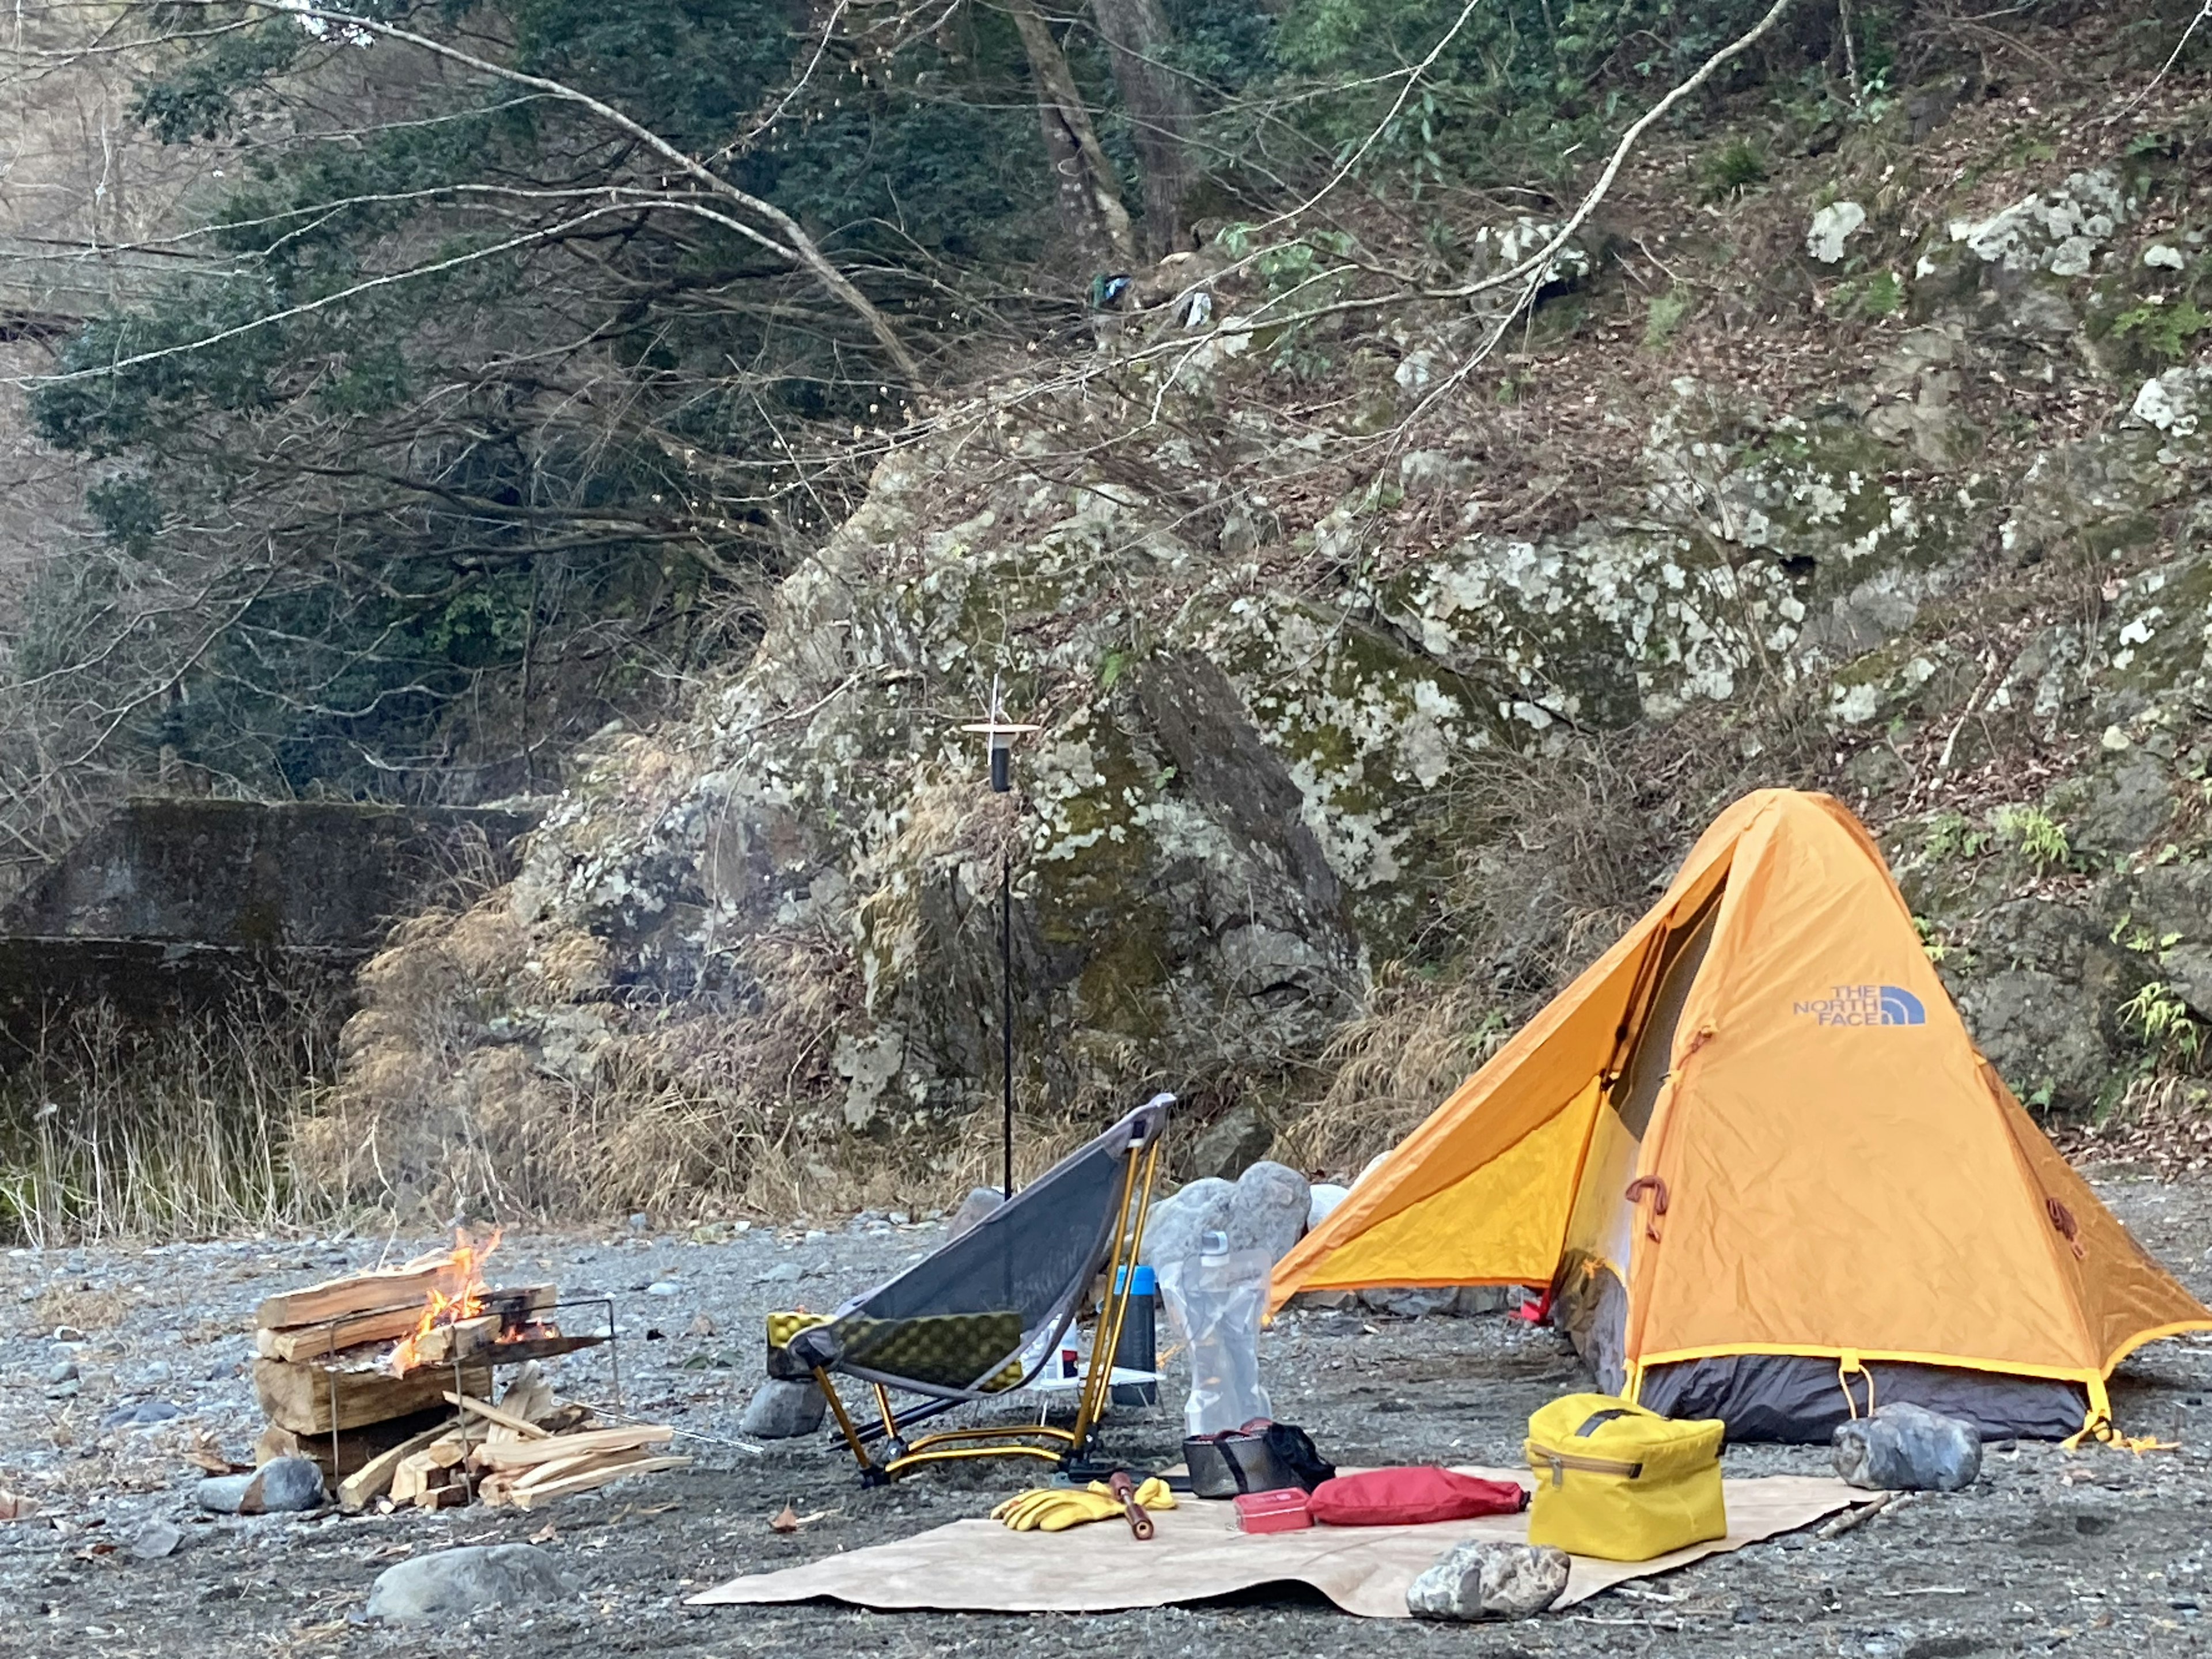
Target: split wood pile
526, 1452
324, 1374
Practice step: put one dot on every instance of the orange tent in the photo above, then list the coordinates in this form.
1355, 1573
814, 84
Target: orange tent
1763, 1171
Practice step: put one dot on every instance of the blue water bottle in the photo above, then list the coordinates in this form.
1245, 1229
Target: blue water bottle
1137, 1350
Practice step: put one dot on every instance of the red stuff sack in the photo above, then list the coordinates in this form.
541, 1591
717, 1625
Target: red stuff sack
1409, 1497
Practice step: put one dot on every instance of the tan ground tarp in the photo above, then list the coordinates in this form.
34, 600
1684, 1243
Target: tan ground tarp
978, 1566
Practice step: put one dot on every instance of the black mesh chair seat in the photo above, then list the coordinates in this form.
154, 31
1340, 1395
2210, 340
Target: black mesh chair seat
983, 1313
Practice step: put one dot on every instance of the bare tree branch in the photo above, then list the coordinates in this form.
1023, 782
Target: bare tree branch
796, 244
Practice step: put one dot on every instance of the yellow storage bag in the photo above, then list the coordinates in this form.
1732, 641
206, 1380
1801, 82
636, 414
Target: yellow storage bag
1621, 1483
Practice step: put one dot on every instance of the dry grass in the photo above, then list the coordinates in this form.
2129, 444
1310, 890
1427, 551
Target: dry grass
82, 1306
113, 1131
1388, 1069
490, 1071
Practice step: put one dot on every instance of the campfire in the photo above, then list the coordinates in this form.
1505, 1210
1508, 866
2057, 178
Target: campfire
462, 1316
366, 1374
457, 1298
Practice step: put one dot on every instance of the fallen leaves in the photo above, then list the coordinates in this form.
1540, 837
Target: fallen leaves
203, 1453
788, 1519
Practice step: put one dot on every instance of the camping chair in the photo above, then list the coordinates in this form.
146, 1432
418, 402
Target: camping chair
982, 1315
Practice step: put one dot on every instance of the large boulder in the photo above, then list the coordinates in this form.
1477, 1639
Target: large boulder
1321, 1201
980, 1202
2040, 1030
1233, 1143
1177, 1222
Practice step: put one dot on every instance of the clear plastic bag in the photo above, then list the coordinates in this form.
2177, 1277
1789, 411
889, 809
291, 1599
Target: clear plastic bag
1215, 1302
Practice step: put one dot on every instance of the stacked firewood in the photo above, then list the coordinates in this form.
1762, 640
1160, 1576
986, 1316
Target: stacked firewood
524, 1452
384, 1379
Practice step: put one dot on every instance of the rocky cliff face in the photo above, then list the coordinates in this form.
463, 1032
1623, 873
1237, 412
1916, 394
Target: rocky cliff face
1895, 496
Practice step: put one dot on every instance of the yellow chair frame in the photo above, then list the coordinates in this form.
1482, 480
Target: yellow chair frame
1046, 1442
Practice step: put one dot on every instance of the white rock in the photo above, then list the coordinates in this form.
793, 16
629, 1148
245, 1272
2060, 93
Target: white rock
2056, 230
1503, 247
1484, 1579
1831, 227
1267, 1212
2160, 256
156, 1539
1322, 1203
2169, 402
454, 1584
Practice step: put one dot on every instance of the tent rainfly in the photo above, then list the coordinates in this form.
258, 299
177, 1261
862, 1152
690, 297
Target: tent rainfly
1763, 1172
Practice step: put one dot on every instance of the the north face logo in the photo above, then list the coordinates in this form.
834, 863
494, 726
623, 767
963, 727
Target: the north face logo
1865, 1005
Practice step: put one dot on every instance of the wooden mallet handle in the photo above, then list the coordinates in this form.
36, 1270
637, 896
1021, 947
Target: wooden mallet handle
1122, 1487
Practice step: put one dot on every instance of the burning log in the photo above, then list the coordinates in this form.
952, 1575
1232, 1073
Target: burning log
443, 1345
512, 1309
312, 1341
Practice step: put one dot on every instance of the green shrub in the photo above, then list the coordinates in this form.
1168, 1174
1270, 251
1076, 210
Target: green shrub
2158, 1017
1954, 835
1665, 314
2163, 331
1732, 169
2038, 837
1884, 295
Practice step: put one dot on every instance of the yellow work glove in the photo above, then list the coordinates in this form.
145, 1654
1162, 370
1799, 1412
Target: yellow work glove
1055, 1509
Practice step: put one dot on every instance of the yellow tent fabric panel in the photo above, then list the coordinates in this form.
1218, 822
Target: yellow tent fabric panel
1507, 1213
1545, 1066
2124, 1296
1835, 1181
1602, 1220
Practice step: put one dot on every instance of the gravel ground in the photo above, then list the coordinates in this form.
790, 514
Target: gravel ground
2091, 1553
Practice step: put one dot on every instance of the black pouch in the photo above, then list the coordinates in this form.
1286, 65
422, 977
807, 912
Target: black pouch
1258, 1457
1293, 1447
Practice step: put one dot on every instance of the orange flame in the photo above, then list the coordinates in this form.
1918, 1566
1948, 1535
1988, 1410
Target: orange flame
457, 1295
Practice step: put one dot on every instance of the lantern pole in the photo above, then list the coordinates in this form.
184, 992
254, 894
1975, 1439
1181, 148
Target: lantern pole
999, 734
1006, 1017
